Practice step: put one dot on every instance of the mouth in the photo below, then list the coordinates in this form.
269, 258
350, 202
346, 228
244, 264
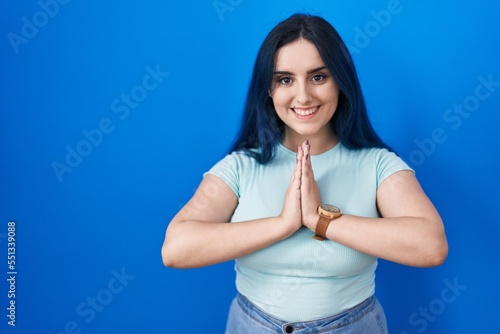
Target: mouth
304, 112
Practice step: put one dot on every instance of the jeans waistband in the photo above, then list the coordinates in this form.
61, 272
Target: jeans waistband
340, 320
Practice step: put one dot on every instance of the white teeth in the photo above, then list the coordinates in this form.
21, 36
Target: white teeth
305, 112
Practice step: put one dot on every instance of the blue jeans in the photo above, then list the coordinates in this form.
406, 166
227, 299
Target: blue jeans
367, 317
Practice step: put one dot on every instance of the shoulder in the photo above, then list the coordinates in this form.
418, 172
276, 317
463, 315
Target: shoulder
381, 161
232, 168
231, 163
375, 154
240, 158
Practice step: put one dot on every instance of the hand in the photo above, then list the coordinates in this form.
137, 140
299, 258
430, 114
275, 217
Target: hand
291, 214
309, 190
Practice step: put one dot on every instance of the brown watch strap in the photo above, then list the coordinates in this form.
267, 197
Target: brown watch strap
321, 227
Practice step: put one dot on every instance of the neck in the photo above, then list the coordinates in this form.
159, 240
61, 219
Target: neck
320, 143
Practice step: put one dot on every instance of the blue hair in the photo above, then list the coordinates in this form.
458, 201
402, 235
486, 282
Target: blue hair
262, 129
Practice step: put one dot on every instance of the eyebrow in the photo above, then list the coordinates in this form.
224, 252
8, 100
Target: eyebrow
308, 72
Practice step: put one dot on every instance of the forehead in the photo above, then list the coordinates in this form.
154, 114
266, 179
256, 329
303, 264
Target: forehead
298, 55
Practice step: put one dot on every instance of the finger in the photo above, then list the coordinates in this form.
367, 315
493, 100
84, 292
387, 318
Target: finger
299, 160
306, 147
297, 173
298, 165
300, 154
306, 161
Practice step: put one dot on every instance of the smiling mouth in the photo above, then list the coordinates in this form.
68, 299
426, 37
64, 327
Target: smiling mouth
305, 111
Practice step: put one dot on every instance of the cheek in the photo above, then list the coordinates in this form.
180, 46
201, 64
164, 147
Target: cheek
329, 94
281, 100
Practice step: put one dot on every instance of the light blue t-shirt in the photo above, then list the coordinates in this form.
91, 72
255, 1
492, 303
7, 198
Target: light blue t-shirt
300, 278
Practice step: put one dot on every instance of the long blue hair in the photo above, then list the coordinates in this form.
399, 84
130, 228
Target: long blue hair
261, 129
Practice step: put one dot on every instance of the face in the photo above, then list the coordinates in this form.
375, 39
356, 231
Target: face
304, 94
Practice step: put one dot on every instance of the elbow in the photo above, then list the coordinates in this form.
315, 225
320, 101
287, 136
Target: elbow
168, 257
435, 248
441, 254
437, 254
172, 252
175, 257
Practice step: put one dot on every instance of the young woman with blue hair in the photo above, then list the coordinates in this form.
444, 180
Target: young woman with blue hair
308, 198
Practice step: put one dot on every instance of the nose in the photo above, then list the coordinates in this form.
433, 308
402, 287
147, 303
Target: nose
303, 93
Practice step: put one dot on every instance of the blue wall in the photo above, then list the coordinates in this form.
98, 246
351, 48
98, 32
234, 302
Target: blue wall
111, 112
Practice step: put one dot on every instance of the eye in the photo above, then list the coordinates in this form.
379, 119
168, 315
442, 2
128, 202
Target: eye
285, 81
318, 78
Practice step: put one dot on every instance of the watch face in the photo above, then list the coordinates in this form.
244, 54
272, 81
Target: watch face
330, 208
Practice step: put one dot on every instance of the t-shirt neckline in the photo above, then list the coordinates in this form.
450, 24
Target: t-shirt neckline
325, 154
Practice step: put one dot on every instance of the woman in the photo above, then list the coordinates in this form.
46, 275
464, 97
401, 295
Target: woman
305, 117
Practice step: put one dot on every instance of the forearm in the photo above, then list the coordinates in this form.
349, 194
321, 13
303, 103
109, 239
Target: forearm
413, 241
190, 244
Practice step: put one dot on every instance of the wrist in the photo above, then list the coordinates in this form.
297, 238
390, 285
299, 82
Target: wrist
326, 214
311, 220
282, 227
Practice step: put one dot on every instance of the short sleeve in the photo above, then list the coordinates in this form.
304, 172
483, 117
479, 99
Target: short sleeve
389, 163
228, 170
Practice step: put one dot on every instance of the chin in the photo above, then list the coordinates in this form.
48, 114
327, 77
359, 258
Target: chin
306, 132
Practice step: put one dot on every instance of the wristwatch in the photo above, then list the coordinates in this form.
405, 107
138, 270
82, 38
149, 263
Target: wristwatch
326, 213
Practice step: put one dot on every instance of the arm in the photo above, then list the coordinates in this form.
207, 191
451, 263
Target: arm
411, 231
200, 235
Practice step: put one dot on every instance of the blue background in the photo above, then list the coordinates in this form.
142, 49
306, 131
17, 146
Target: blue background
88, 241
